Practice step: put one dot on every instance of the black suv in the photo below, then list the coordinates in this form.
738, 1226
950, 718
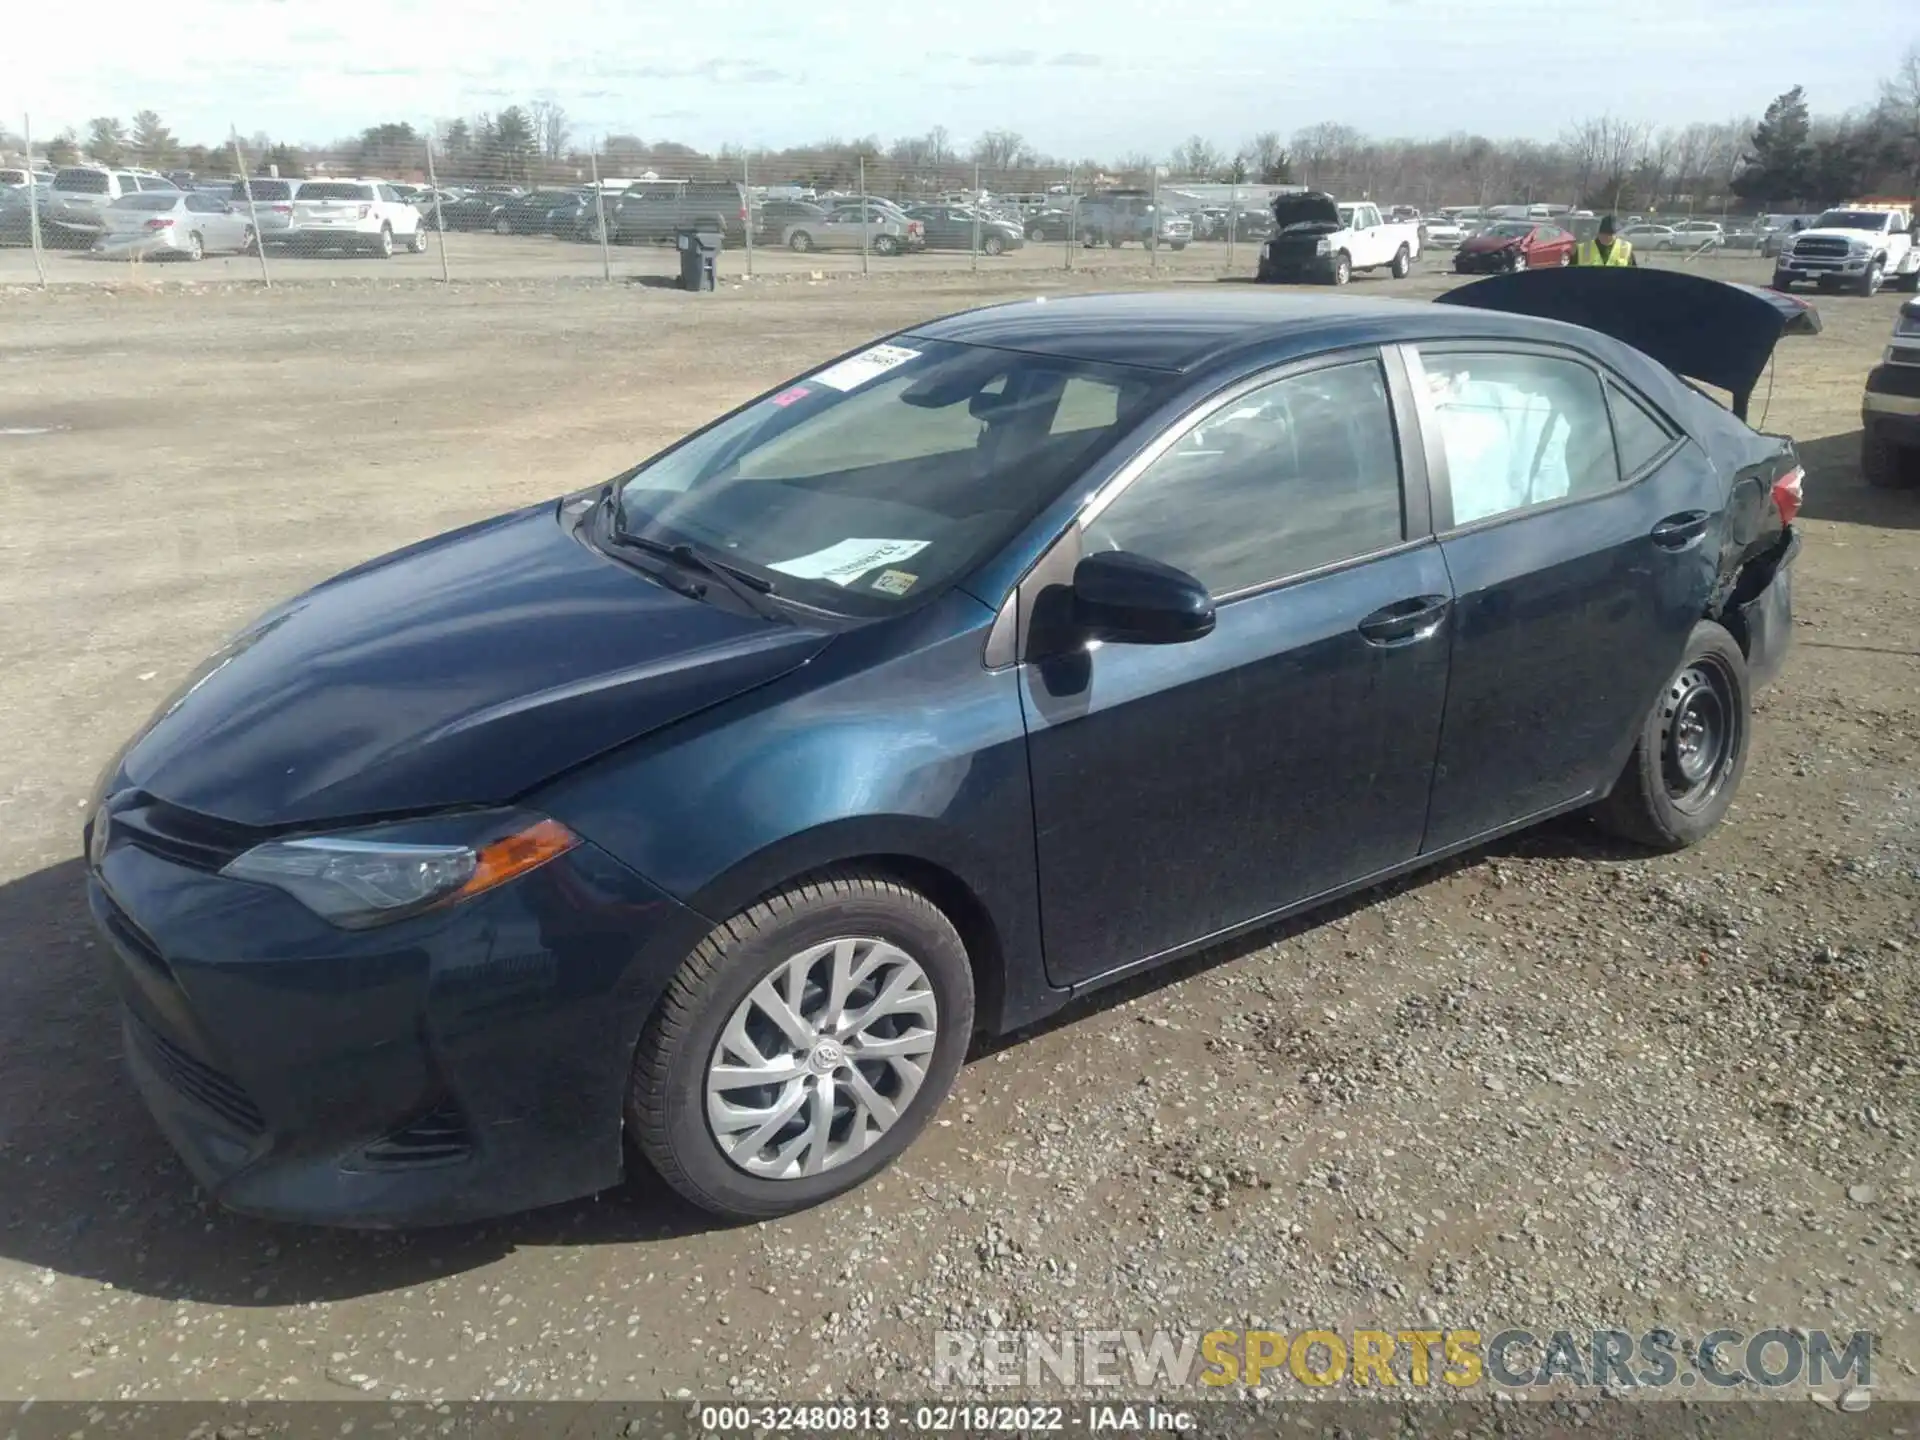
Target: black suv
651, 213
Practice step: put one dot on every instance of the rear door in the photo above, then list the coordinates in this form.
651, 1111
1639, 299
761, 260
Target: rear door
1576, 578
1181, 790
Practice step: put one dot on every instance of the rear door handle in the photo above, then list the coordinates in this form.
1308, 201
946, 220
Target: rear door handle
1678, 532
1406, 621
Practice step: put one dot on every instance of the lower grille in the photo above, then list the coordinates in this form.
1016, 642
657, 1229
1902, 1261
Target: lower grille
200, 1082
440, 1137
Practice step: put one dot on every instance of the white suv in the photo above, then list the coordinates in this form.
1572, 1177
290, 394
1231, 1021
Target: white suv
82, 193
359, 214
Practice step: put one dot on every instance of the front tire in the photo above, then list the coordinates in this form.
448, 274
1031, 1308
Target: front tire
993, 245
750, 1096
1686, 764
885, 245
1782, 282
800, 242
503, 226
1870, 282
196, 247
1884, 465
417, 242
1342, 268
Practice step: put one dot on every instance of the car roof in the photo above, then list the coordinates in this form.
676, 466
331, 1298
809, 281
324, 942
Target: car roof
1182, 332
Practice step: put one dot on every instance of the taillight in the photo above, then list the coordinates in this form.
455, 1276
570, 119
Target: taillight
1787, 494
283, 209
164, 224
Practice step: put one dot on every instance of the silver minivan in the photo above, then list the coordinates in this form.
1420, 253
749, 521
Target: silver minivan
81, 193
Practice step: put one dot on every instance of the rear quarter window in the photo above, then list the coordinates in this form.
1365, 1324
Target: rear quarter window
81, 182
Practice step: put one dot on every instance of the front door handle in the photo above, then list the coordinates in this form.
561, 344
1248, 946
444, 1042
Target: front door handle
1405, 622
1679, 532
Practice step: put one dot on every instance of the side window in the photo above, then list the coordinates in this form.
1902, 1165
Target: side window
387, 193
198, 204
1639, 434
1297, 474
1519, 430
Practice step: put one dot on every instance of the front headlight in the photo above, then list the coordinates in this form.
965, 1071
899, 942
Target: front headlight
374, 877
1906, 325
1323, 247
1858, 247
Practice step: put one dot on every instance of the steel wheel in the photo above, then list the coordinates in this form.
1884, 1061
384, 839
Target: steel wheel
1699, 734
821, 1058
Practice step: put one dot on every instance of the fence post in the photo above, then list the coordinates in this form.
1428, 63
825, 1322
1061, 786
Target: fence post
600, 215
1233, 222
253, 209
1153, 209
1073, 218
973, 204
439, 218
866, 220
746, 195
33, 203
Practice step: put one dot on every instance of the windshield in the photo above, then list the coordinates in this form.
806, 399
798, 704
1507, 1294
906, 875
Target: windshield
323, 190
888, 474
1852, 220
1508, 230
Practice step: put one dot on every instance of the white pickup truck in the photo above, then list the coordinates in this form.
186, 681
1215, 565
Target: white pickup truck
1858, 246
357, 214
1317, 237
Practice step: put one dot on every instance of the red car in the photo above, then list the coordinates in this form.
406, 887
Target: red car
1514, 245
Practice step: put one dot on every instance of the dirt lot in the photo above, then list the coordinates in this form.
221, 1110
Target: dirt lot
1550, 1085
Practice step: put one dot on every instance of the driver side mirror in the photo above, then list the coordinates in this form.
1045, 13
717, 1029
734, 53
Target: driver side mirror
1134, 599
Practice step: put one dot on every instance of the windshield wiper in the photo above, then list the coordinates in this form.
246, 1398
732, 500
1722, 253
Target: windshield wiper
749, 589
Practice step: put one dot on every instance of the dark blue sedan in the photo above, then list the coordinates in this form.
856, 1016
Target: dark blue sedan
714, 810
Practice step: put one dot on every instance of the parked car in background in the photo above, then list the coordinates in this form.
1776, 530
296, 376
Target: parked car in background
879, 228
577, 216
12, 179
1700, 234
422, 905
652, 214
1053, 222
81, 193
1128, 215
155, 225
1514, 245
1648, 236
357, 215
17, 205
960, 227
1442, 232
470, 212
772, 217
1857, 246
1890, 408
272, 202
529, 214
1317, 238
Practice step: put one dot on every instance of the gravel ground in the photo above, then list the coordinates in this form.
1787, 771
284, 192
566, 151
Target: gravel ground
1551, 1085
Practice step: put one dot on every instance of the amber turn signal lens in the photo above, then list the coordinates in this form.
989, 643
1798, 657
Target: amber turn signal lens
516, 854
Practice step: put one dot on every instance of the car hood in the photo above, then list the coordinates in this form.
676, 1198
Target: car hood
1481, 244
1714, 331
460, 671
1310, 207
1838, 232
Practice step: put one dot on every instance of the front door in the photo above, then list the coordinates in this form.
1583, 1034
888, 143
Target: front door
1579, 568
1182, 790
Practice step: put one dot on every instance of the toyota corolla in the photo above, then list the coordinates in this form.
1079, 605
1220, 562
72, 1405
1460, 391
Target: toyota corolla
706, 815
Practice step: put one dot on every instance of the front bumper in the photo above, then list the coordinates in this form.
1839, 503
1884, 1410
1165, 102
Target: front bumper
466, 1063
1821, 267
1483, 262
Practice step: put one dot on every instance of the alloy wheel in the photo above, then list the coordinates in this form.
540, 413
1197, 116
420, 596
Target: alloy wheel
821, 1058
1699, 734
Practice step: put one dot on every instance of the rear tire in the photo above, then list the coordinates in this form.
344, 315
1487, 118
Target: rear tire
993, 245
800, 242
196, 247
1687, 762
1402, 264
383, 243
709, 1010
885, 245
502, 226
1907, 284
1884, 465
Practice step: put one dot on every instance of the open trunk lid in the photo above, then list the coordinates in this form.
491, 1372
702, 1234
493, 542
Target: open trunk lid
1714, 331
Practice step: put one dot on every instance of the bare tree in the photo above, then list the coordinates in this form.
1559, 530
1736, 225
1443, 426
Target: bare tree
1266, 153
550, 128
1899, 113
1001, 150
1198, 159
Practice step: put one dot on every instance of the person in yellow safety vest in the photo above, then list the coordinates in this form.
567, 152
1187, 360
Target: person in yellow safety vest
1605, 248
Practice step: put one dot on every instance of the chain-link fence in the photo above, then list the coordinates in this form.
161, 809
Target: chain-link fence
620, 213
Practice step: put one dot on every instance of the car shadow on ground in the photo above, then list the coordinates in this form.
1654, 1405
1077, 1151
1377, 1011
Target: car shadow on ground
1835, 489
90, 1188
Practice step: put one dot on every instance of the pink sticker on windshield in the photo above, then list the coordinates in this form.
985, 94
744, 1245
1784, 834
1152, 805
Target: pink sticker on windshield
787, 397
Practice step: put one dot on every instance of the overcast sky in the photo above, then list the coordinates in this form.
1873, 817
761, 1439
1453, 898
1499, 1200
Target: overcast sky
1075, 77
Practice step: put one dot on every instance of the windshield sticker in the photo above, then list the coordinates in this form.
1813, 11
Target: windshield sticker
857, 370
894, 582
846, 562
793, 393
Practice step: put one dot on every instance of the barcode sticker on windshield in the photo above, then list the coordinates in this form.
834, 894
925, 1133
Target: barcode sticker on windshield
846, 562
857, 370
